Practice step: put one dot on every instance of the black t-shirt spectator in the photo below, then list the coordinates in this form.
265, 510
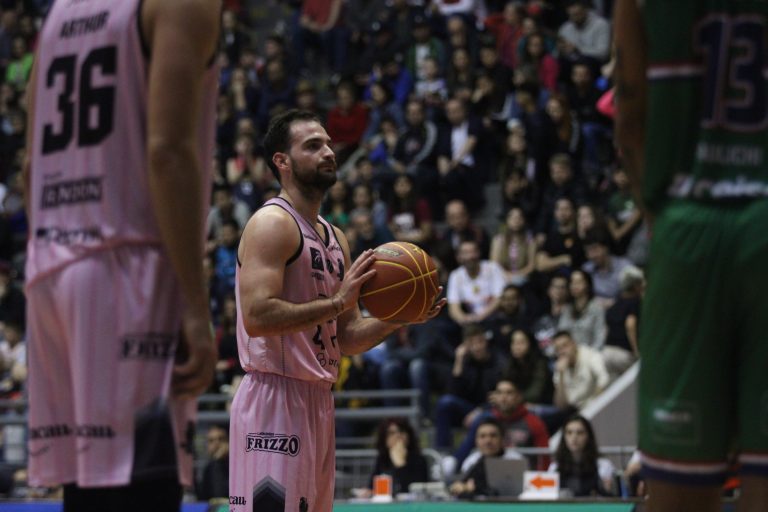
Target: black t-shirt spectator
615, 318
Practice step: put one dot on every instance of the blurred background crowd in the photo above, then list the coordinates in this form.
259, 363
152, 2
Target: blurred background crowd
480, 130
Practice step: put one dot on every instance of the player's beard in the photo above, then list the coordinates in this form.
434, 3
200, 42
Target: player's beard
313, 182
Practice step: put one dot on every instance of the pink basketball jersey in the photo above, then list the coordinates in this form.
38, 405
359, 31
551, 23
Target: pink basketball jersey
315, 271
89, 180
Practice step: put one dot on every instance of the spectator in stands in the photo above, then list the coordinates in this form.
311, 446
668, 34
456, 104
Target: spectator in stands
364, 234
622, 214
622, 318
337, 204
13, 360
347, 121
562, 130
415, 152
474, 289
214, 481
545, 326
306, 98
381, 106
514, 248
460, 176
233, 38
561, 249
583, 96
225, 258
562, 184
475, 373
536, 54
277, 92
582, 471
522, 429
507, 28
583, 316
246, 161
490, 64
364, 198
604, 268
13, 304
398, 455
320, 24
460, 228
461, 74
425, 46
225, 208
585, 35
489, 441
20, 64
580, 373
410, 218
459, 34
511, 315
228, 365
430, 87
517, 190
528, 369
588, 217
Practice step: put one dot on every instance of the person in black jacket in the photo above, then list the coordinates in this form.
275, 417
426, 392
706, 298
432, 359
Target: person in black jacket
214, 482
398, 455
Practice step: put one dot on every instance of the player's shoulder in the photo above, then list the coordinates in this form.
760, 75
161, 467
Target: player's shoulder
271, 228
201, 16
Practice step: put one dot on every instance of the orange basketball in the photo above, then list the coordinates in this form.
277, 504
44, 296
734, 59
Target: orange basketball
405, 284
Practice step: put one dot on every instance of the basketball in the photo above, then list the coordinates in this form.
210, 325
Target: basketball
405, 284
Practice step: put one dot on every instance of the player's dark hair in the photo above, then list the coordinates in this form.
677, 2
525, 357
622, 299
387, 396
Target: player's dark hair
471, 330
278, 137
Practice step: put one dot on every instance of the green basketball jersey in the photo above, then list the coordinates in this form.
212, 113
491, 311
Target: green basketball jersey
707, 126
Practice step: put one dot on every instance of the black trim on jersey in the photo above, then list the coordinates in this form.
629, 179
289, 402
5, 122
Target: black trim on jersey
140, 27
333, 232
301, 235
327, 240
239, 263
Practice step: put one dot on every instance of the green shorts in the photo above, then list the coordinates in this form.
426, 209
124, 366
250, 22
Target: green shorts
704, 342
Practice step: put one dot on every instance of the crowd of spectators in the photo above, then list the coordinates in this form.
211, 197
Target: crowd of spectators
439, 113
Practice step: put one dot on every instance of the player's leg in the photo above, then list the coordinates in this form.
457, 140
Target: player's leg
273, 445
51, 440
123, 309
685, 406
752, 278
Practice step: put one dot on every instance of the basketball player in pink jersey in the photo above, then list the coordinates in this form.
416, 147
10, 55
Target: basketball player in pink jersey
121, 128
297, 295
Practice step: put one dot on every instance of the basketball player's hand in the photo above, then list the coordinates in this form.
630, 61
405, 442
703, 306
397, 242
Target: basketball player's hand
434, 310
194, 373
358, 273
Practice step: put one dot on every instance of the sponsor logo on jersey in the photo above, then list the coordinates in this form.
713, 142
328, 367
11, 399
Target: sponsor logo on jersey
65, 236
50, 431
95, 431
149, 346
64, 430
237, 500
317, 259
275, 443
86, 190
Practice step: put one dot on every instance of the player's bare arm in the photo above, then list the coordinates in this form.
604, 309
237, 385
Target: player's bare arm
26, 168
269, 240
631, 88
182, 37
357, 334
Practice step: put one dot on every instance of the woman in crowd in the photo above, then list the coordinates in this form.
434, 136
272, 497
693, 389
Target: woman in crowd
582, 471
398, 455
514, 248
583, 316
529, 369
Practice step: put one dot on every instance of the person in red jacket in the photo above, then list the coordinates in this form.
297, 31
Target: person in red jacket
346, 122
